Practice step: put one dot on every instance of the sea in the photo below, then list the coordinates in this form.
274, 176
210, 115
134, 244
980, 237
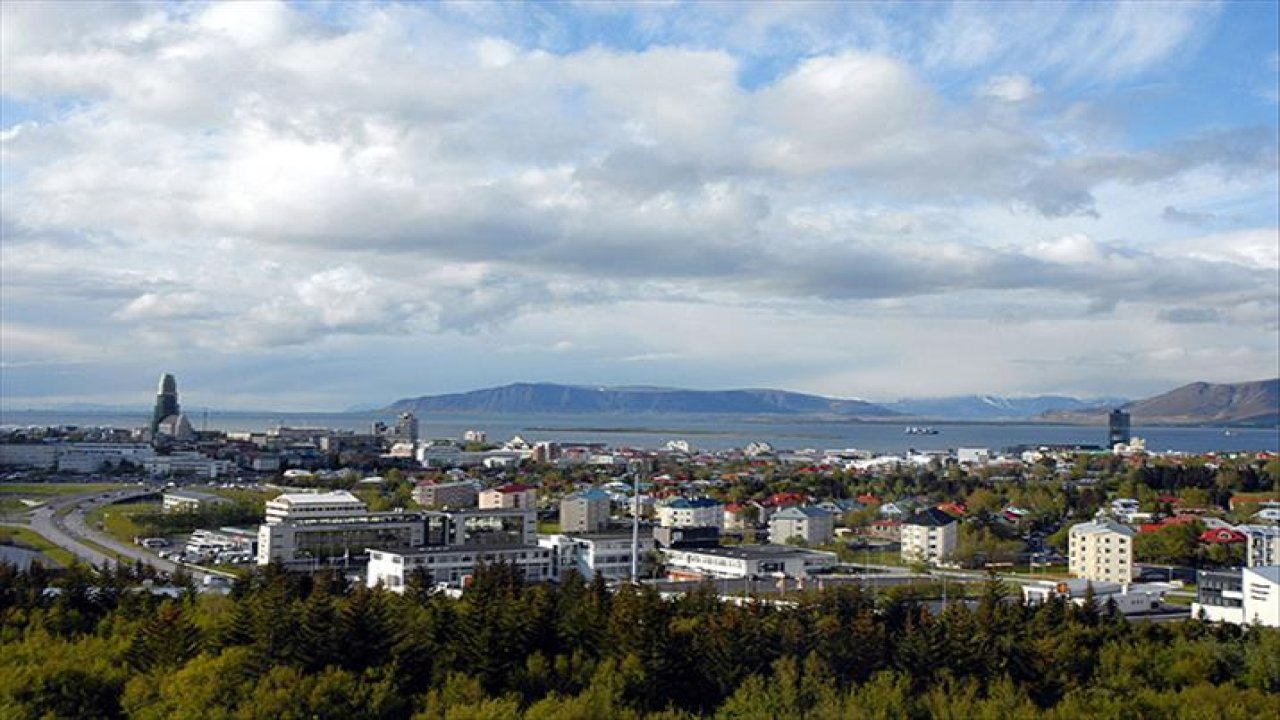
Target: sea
703, 432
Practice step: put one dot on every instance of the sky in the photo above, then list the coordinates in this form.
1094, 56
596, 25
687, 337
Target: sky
313, 206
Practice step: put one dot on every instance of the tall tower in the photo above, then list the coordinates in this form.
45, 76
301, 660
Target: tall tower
166, 401
1119, 428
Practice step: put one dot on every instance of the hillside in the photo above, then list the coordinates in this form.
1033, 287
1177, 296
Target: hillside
536, 398
994, 407
1246, 403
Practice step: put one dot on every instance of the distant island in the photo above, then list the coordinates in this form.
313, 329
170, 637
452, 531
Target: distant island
1251, 403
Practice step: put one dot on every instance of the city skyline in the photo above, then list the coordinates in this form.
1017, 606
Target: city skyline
314, 206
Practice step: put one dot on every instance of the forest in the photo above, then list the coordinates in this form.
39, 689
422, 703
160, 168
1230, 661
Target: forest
100, 643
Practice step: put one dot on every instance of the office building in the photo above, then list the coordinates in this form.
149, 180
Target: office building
452, 495
1247, 596
746, 561
591, 554
1118, 428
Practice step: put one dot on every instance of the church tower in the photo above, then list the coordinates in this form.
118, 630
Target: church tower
166, 401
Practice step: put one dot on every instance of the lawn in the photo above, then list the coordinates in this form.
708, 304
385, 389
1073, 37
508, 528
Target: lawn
25, 537
41, 491
548, 528
117, 520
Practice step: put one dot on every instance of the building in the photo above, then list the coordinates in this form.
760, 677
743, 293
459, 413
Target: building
456, 542
686, 537
746, 561
186, 463
973, 456
447, 495
89, 457
166, 402
1263, 545
1102, 551
190, 501
308, 506
1242, 596
585, 512
695, 512
452, 566
813, 525
928, 536
1128, 599
591, 554
1118, 428
405, 431
41, 456
508, 497
325, 540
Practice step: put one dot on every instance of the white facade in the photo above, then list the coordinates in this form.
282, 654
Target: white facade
1250, 596
591, 555
92, 457
1264, 545
1102, 551
973, 456
452, 565
453, 495
189, 501
1129, 599
683, 513
929, 537
812, 525
306, 506
747, 561
186, 463
43, 456
509, 497
585, 512
322, 541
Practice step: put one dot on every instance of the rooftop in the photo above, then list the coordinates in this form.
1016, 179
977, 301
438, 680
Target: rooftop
933, 517
754, 552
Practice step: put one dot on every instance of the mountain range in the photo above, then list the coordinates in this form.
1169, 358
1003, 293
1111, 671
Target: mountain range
535, 398
1245, 403
1250, 403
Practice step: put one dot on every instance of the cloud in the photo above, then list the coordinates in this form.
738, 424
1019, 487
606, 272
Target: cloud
1197, 219
1189, 315
270, 178
1010, 88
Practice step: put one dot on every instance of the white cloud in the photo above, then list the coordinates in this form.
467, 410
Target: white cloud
1010, 88
244, 177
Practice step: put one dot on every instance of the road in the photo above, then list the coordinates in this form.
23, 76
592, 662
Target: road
67, 530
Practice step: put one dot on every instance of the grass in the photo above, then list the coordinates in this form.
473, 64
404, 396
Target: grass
548, 528
48, 490
117, 520
25, 537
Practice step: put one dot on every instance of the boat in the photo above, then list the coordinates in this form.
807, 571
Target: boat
920, 430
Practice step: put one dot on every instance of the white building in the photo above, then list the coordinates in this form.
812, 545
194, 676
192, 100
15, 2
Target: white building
1129, 599
454, 566
325, 540
1245, 596
189, 500
186, 463
585, 512
813, 525
973, 456
92, 457
746, 561
43, 456
598, 554
696, 512
452, 494
512, 496
1102, 551
1264, 545
308, 506
929, 536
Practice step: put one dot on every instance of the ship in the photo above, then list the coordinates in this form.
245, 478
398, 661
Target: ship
920, 430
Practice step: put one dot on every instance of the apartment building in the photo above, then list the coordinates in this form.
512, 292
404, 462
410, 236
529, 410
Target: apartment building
928, 536
1102, 551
